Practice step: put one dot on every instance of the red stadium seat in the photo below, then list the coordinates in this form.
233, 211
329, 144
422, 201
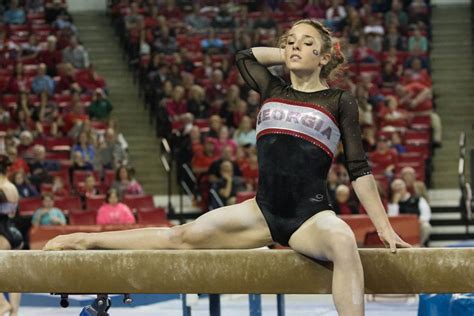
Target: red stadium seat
417, 137
139, 201
27, 206
153, 216
82, 217
63, 174
421, 122
109, 177
69, 203
94, 202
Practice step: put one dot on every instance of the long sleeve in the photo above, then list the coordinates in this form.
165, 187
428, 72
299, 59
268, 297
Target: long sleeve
356, 160
256, 75
126, 215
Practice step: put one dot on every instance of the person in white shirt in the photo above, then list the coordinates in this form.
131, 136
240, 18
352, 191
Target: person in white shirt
402, 202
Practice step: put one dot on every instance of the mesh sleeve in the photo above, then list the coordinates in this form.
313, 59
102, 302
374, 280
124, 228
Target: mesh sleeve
256, 75
356, 160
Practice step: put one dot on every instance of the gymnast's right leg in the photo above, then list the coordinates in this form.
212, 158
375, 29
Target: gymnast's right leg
236, 226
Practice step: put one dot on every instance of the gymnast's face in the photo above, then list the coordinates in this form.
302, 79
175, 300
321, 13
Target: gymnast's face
303, 49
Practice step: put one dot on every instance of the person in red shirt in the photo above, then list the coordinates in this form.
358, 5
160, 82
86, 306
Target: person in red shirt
392, 115
250, 172
67, 79
51, 56
203, 160
89, 80
177, 105
74, 117
384, 158
416, 96
17, 163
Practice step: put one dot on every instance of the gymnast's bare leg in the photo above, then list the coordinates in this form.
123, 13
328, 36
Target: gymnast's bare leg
327, 237
236, 226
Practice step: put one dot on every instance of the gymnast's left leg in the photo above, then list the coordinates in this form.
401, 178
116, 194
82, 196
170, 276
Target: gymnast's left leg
326, 237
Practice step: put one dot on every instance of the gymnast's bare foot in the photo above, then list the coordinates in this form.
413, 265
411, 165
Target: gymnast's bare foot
5, 308
76, 241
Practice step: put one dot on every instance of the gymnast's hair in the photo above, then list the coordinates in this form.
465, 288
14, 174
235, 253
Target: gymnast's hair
335, 66
4, 163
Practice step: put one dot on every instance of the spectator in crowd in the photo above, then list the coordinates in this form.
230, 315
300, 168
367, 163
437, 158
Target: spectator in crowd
332, 183
59, 188
217, 89
18, 164
365, 108
416, 187
228, 185
393, 39
223, 20
196, 102
166, 43
76, 54
114, 212
343, 205
417, 43
100, 106
212, 44
245, 134
224, 139
84, 147
265, 24
384, 158
202, 160
76, 117
124, 184
89, 80
177, 105
18, 82
47, 114
335, 15
48, 214
362, 53
215, 124
390, 77
78, 164
42, 82
397, 144
417, 73
29, 50
368, 138
67, 79
111, 153
40, 167
374, 32
392, 115
416, 96
402, 202
90, 187
25, 145
15, 14
396, 16
134, 20
197, 21
250, 172
25, 189
226, 155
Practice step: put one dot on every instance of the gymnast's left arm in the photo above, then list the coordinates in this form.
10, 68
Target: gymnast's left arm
358, 167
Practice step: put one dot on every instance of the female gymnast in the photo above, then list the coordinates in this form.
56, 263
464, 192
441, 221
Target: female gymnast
298, 130
10, 237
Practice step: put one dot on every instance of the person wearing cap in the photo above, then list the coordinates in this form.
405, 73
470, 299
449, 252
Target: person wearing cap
100, 107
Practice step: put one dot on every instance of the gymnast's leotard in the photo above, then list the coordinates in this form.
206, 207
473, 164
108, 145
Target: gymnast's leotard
7, 228
297, 137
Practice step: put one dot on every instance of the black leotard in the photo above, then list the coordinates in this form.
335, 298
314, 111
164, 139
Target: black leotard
297, 136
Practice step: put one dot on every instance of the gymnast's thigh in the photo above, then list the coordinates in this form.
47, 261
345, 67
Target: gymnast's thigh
236, 226
323, 237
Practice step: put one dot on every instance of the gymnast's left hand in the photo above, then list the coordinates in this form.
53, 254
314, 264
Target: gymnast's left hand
76, 241
391, 240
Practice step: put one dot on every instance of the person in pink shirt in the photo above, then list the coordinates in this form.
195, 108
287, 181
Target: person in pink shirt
114, 212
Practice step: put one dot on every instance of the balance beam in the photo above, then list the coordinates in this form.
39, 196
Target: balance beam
410, 271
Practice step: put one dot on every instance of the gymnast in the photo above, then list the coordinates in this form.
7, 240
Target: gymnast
10, 236
298, 131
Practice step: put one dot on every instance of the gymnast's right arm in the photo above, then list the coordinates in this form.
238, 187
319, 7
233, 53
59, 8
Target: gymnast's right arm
252, 64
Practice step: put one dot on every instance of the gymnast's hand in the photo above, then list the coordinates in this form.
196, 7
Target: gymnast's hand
76, 241
391, 240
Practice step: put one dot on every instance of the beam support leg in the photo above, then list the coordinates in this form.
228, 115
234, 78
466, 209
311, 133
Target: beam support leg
255, 304
214, 305
280, 304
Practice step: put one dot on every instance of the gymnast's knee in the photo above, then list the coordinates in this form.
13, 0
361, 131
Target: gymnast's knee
344, 248
188, 237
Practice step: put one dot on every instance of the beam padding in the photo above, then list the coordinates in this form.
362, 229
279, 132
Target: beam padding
423, 270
